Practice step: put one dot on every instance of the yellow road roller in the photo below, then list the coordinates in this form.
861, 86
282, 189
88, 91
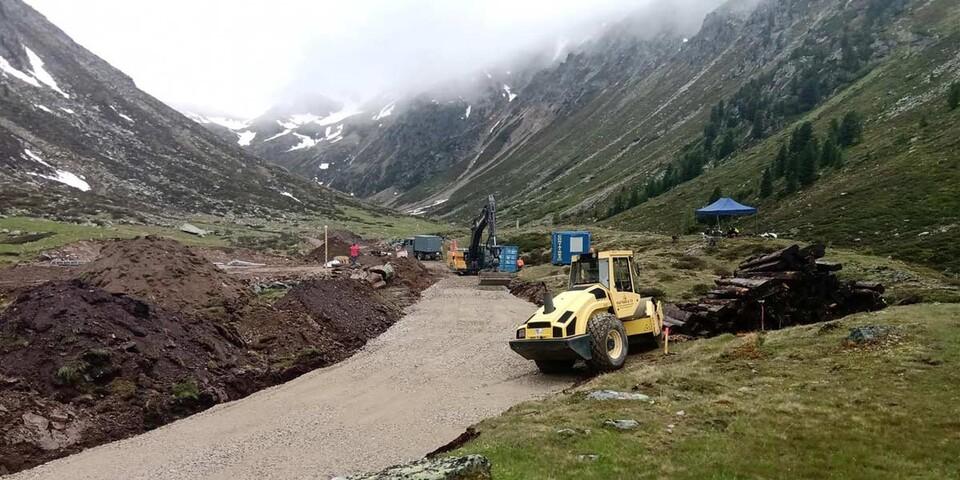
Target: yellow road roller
596, 319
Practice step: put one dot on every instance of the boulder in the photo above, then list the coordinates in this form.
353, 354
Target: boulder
623, 424
469, 467
615, 395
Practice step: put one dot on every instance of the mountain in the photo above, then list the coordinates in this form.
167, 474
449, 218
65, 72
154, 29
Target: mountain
636, 126
78, 137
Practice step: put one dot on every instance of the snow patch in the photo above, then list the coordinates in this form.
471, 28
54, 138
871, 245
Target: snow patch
466, 114
324, 166
66, 178
509, 95
71, 112
125, 117
422, 210
36, 63
385, 111
285, 132
288, 194
245, 138
337, 117
305, 142
334, 134
36, 158
41, 107
287, 125
8, 69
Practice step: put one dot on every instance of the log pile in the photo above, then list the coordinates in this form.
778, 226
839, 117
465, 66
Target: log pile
792, 286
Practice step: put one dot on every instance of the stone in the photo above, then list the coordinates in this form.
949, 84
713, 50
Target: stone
615, 395
623, 424
866, 334
572, 432
588, 457
469, 467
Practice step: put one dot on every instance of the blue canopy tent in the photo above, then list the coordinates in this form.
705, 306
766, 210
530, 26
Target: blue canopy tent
725, 207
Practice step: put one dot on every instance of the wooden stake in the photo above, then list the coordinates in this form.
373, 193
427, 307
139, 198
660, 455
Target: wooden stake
326, 246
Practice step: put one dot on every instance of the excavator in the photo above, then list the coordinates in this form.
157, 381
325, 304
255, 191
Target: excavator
481, 258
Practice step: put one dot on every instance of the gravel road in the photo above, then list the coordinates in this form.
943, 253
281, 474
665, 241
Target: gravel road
443, 367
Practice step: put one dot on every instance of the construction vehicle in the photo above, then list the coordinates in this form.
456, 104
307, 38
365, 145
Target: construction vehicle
481, 258
594, 320
424, 247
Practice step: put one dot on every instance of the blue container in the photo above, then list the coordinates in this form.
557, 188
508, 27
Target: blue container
564, 245
508, 258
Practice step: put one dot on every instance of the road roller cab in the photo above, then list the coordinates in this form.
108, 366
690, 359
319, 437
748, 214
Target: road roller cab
594, 320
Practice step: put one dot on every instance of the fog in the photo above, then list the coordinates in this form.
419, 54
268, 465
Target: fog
238, 58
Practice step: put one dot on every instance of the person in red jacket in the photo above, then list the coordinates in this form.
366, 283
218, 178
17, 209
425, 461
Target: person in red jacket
354, 253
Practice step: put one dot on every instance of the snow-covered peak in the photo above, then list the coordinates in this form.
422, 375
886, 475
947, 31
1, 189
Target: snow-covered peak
229, 123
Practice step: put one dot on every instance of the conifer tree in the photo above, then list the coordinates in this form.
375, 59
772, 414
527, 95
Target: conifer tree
766, 184
717, 193
953, 96
807, 164
780, 164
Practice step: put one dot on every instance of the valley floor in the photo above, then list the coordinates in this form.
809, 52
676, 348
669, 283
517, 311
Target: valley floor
443, 367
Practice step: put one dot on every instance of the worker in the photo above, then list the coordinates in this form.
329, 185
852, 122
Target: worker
519, 263
354, 253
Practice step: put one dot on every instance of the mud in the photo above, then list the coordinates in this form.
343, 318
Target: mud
529, 291
151, 331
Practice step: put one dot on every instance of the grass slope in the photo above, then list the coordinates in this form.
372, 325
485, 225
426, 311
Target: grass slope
898, 192
794, 403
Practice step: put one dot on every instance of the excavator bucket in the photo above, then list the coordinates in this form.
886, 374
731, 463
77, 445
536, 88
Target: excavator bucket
496, 278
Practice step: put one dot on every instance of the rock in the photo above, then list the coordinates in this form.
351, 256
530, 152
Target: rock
386, 271
379, 285
615, 395
374, 277
193, 230
866, 334
469, 467
572, 432
681, 413
623, 424
588, 457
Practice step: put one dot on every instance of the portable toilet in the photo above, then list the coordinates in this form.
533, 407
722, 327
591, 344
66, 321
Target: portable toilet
508, 258
564, 245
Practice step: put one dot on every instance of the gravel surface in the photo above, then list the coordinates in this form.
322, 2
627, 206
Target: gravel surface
443, 367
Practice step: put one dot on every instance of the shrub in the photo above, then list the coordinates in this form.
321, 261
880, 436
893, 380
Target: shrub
652, 292
688, 262
186, 390
700, 289
68, 375
123, 388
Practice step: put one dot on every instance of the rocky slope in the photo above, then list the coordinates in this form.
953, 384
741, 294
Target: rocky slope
77, 136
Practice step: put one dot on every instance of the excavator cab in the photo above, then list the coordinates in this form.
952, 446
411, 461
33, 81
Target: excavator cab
594, 319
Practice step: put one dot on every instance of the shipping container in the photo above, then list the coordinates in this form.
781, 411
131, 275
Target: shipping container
508, 258
564, 245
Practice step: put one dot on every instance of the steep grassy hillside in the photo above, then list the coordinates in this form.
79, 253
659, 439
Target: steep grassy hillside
795, 403
896, 193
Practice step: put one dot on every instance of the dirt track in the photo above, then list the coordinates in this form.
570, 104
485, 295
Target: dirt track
443, 367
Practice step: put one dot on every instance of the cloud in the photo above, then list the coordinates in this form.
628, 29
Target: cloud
240, 57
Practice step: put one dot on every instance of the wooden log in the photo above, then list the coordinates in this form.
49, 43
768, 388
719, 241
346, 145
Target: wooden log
786, 253
744, 282
776, 265
726, 292
787, 275
816, 250
825, 266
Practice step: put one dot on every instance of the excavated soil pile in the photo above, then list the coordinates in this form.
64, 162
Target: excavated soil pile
351, 311
529, 291
80, 366
337, 248
167, 273
412, 274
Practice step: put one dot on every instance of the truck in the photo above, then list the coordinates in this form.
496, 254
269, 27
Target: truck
424, 247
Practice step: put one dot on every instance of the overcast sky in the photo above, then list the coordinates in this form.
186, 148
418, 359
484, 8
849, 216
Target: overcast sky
240, 56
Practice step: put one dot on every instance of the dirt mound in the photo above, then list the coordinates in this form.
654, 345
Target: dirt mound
166, 273
412, 274
529, 291
115, 358
352, 312
337, 248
